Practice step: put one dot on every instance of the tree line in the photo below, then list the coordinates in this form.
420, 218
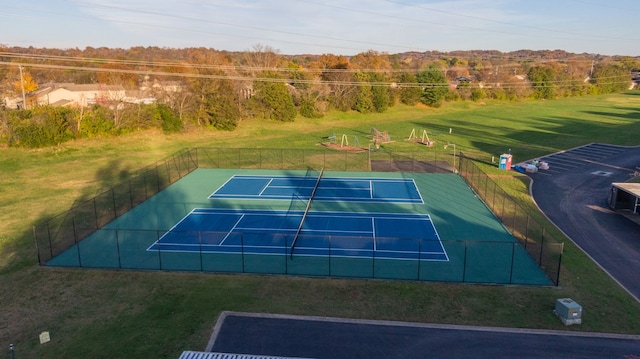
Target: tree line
217, 89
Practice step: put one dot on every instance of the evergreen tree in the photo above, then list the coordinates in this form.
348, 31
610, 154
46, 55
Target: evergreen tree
222, 108
364, 100
410, 93
274, 99
434, 84
541, 78
380, 92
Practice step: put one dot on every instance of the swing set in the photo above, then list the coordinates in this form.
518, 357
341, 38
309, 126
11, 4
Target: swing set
424, 139
344, 143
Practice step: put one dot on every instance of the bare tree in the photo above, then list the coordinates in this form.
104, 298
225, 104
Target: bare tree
261, 58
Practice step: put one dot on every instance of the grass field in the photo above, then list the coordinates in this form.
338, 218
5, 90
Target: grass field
108, 314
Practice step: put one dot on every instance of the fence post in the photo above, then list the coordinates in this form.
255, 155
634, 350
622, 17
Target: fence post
373, 262
324, 158
144, 183
486, 190
113, 198
242, 250
166, 164
157, 177
130, 194
513, 248
118, 249
464, 263
413, 161
35, 236
75, 240
494, 197
200, 247
346, 159
515, 216
541, 247
329, 245
50, 243
95, 213
159, 249
526, 232
419, 258
559, 264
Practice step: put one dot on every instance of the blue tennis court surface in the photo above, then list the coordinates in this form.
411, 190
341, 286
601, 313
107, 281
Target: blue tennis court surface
345, 234
397, 190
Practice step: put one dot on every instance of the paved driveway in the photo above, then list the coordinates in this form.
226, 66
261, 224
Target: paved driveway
574, 194
313, 337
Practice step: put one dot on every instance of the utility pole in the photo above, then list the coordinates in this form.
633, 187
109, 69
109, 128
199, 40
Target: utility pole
24, 99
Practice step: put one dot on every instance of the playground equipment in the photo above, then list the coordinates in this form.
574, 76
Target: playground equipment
345, 142
332, 142
378, 138
424, 139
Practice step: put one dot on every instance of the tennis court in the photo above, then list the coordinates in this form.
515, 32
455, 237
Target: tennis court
410, 226
345, 234
327, 189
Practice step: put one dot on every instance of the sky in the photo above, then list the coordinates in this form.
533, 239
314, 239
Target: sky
341, 27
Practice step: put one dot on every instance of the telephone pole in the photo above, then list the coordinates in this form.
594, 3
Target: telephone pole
24, 99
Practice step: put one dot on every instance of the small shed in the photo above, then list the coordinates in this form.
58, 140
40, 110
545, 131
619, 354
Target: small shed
625, 197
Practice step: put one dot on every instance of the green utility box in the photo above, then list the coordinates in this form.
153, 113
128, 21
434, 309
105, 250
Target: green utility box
568, 311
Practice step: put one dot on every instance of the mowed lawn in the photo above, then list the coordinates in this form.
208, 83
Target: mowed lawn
121, 314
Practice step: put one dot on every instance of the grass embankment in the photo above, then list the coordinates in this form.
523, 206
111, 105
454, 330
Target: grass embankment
108, 314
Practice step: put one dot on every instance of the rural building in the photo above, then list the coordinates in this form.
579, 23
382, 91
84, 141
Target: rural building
69, 94
625, 198
74, 95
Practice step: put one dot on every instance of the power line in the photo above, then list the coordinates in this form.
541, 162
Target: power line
523, 84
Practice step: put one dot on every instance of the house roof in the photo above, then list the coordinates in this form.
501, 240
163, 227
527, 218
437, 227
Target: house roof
629, 187
91, 87
77, 87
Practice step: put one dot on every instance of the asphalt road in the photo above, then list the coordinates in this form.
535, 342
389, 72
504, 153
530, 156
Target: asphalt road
313, 337
574, 194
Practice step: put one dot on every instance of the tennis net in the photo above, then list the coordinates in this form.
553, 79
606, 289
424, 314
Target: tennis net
306, 211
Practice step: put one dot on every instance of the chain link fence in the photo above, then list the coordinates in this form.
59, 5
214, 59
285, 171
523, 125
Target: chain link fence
62, 232
466, 261
532, 235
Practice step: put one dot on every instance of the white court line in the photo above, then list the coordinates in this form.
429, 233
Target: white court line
265, 187
231, 230
171, 229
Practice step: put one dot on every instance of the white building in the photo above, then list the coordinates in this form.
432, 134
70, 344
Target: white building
67, 94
